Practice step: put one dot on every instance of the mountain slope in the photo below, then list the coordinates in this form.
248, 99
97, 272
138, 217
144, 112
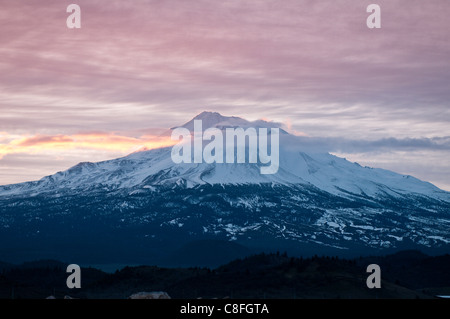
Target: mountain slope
144, 207
297, 166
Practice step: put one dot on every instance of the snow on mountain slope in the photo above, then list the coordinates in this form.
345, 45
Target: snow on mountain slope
143, 206
299, 165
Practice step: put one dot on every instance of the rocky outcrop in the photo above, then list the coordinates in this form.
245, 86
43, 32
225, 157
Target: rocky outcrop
150, 295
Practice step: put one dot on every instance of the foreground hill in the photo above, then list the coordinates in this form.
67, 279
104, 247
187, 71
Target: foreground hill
408, 274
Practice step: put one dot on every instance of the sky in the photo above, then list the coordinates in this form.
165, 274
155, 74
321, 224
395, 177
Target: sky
380, 97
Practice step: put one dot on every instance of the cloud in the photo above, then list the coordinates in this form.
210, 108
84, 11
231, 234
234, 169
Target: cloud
43, 140
162, 60
100, 141
344, 145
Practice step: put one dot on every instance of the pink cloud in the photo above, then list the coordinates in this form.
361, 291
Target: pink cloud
99, 141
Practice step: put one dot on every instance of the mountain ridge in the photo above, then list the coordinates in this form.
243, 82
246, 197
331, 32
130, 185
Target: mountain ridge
297, 166
144, 208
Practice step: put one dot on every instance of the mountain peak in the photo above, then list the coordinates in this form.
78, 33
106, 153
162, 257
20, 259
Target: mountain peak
215, 119
208, 114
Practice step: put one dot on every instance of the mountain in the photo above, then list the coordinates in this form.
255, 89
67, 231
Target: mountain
145, 208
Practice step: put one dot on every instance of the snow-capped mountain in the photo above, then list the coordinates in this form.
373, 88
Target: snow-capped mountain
297, 166
315, 201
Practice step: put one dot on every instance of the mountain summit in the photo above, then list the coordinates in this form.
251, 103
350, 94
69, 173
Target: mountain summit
144, 208
217, 120
210, 119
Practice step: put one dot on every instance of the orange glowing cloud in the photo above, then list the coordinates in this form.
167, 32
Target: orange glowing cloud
288, 124
96, 141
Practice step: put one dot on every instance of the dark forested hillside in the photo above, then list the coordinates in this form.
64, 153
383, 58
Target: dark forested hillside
408, 274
